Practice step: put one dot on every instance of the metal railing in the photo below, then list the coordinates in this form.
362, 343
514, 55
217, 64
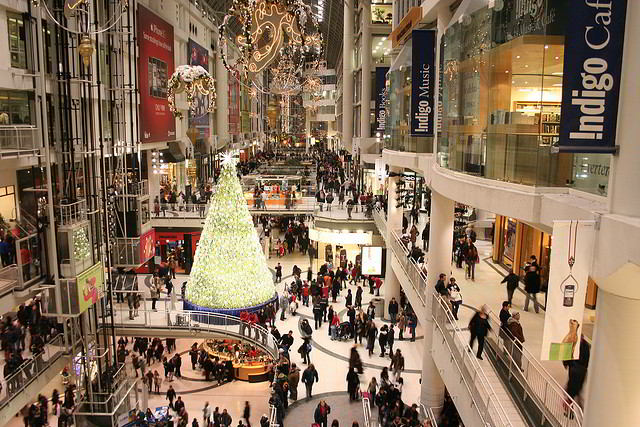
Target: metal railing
72, 212
8, 278
429, 415
481, 393
182, 211
108, 403
555, 404
140, 188
335, 211
126, 251
416, 275
273, 416
380, 219
366, 409
195, 322
18, 138
14, 384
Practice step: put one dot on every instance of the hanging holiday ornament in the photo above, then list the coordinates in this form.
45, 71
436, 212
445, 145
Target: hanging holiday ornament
194, 80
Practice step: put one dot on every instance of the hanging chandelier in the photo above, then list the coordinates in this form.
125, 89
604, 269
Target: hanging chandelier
194, 80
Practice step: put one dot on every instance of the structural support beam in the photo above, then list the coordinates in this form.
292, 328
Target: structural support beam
347, 77
365, 100
439, 261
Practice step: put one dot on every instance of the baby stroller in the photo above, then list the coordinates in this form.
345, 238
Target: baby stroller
344, 331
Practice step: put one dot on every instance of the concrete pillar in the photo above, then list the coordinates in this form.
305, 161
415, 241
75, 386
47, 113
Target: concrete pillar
391, 287
222, 102
439, 261
347, 76
365, 54
613, 369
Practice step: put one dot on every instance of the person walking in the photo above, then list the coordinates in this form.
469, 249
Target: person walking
455, 297
515, 329
372, 389
353, 381
246, 413
293, 378
479, 328
393, 310
512, 280
206, 414
278, 273
471, 258
382, 340
372, 332
425, 237
391, 337
321, 413
532, 284
397, 364
171, 394
504, 318
309, 376
359, 292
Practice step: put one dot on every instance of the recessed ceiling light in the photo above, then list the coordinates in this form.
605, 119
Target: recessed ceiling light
507, 72
557, 73
546, 46
557, 57
517, 56
526, 66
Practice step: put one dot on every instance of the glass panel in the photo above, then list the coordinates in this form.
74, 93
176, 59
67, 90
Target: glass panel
17, 40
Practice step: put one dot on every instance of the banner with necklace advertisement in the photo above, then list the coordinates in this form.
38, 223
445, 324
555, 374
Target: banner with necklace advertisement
199, 116
571, 255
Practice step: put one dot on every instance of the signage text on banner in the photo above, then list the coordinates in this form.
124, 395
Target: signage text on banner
381, 98
423, 80
571, 257
591, 76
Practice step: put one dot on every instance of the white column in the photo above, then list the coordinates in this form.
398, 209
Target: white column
365, 54
614, 371
443, 18
391, 287
222, 101
347, 76
307, 127
439, 261
612, 389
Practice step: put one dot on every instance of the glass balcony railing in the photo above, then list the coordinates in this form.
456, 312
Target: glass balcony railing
15, 138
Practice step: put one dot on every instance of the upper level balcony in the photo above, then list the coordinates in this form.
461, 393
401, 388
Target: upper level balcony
18, 140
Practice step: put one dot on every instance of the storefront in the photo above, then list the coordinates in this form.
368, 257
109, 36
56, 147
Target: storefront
338, 248
514, 242
502, 81
180, 244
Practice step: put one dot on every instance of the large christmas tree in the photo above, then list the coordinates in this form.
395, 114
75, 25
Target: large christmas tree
229, 269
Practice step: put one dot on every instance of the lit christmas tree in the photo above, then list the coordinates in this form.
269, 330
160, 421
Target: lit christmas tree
229, 268
80, 245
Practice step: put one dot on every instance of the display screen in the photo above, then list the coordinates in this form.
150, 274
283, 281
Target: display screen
372, 260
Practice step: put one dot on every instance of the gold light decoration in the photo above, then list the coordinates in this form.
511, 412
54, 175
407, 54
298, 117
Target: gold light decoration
279, 34
193, 133
86, 49
194, 80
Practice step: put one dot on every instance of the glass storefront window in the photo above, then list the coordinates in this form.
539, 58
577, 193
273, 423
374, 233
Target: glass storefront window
15, 107
17, 40
501, 95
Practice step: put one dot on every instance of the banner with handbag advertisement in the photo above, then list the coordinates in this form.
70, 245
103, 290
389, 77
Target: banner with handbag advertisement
381, 99
199, 116
423, 80
591, 76
90, 286
155, 67
571, 255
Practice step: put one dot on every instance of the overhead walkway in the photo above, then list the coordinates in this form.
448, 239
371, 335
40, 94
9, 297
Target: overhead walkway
191, 324
497, 391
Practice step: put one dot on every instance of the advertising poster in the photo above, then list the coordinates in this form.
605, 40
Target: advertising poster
423, 54
199, 117
571, 255
372, 260
147, 246
155, 66
90, 286
591, 76
381, 99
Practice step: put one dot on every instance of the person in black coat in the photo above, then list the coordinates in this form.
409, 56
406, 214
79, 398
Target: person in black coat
352, 384
479, 328
512, 280
348, 300
441, 287
532, 284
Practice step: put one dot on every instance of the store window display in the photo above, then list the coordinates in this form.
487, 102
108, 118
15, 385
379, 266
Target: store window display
502, 75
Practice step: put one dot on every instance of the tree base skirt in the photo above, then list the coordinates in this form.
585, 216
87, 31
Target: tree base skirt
235, 312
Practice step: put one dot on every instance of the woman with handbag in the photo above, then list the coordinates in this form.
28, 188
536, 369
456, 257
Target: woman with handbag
321, 413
